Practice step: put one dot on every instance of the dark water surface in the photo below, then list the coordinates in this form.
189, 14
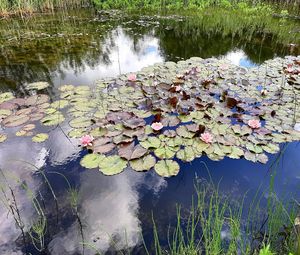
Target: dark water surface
78, 49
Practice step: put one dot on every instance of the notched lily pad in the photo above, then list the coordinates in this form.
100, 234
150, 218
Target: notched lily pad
166, 168
143, 164
91, 160
130, 151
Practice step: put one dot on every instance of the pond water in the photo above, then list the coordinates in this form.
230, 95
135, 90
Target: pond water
81, 47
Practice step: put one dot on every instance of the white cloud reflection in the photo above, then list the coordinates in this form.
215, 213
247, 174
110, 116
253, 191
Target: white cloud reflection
239, 58
122, 54
108, 205
19, 159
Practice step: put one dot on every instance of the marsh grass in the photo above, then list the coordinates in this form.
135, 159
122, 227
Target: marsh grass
28, 7
247, 229
292, 5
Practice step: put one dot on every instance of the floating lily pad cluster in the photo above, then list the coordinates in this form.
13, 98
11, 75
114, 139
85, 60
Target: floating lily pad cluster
22, 113
187, 99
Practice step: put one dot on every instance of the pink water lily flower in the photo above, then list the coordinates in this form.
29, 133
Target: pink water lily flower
224, 66
132, 77
254, 124
177, 88
86, 140
157, 126
206, 137
290, 69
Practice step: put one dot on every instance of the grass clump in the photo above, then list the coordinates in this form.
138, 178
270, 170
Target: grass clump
217, 224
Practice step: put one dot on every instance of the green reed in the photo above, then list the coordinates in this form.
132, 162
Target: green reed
292, 5
252, 229
25, 7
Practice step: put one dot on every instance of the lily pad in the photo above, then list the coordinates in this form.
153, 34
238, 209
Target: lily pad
91, 160
53, 119
130, 151
60, 104
143, 164
39, 138
166, 152
3, 137
76, 133
15, 120
37, 85
183, 132
6, 97
150, 142
134, 123
112, 165
187, 154
166, 168
81, 122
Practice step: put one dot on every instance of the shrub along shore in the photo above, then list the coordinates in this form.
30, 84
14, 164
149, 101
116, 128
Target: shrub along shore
28, 7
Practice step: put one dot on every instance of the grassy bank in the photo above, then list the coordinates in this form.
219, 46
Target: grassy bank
27, 7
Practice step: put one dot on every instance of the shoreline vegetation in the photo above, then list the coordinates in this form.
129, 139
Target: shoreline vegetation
24, 8
256, 228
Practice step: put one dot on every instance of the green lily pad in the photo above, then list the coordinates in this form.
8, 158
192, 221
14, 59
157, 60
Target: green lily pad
21, 133
187, 154
5, 112
112, 165
3, 137
91, 160
81, 122
98, 132
166, 152
143, 164
39, 138
65, 88
236, 152
254, 148
6, 97
166, 168
60, 104
183, 132
271, 148
76, 133
37, 85
53, 119
150, 142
